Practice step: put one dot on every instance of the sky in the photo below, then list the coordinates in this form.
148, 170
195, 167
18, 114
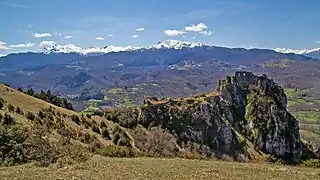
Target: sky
28, 25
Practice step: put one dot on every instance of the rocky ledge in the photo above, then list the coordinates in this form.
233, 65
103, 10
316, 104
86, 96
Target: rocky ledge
245, 111
245, 117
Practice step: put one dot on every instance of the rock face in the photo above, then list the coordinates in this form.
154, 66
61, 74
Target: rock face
244, 109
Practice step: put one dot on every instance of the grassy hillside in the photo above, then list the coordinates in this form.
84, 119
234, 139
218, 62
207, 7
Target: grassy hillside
44, 137
155, 168
46, 129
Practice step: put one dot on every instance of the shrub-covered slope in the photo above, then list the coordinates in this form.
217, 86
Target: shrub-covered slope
244, 118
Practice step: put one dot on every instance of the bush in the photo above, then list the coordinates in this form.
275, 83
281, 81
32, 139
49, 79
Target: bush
94, 145
75, 119
315, 163
41, 114
124, 142
38, 121
68, 133
11, 140
103, 124
71, 154
117, 151
158, 142
116, 137
10, 108
1, 103
38, 149
19, 111
86, 138
98, 113
105, 133
7, 120
30, 116
96, 129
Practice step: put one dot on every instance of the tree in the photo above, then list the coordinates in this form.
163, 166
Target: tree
30, 92
1, 103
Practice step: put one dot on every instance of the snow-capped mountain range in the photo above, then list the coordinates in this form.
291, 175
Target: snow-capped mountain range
297, 51
71, 48
168, 44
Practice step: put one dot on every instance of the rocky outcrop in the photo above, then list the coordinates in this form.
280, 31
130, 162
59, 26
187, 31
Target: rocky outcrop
244, 109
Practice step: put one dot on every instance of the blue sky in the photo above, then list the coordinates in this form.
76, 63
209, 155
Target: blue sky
233, 23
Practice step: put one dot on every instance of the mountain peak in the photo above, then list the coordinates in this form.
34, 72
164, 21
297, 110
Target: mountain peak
69, 48
176, 44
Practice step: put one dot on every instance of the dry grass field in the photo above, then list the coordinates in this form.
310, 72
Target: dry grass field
155, 168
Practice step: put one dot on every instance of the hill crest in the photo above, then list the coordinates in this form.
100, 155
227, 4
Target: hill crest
244, 118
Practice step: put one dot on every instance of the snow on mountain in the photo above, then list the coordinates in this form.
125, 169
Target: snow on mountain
297, 51
175, 44
71, 48
3, 55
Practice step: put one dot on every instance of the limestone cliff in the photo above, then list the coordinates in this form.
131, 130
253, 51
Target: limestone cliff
244, 109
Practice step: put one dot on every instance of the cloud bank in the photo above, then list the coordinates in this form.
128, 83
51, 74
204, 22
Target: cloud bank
22, 45
42, 35
68, 37
3, 45
200, 28
140, 29
172, 32
99, 38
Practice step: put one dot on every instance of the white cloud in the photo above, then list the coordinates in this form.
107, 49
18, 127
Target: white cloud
110, 35
22, 45
13, 4
68, 37
170, 32
48, 43
196, 28
134, 36
140, 29
200, 28
318, 42
99, 38
3, 45
41, 35
206, 32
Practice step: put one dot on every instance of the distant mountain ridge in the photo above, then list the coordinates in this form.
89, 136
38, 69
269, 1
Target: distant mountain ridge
169, 68
161, 45
314, 52
71, 48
